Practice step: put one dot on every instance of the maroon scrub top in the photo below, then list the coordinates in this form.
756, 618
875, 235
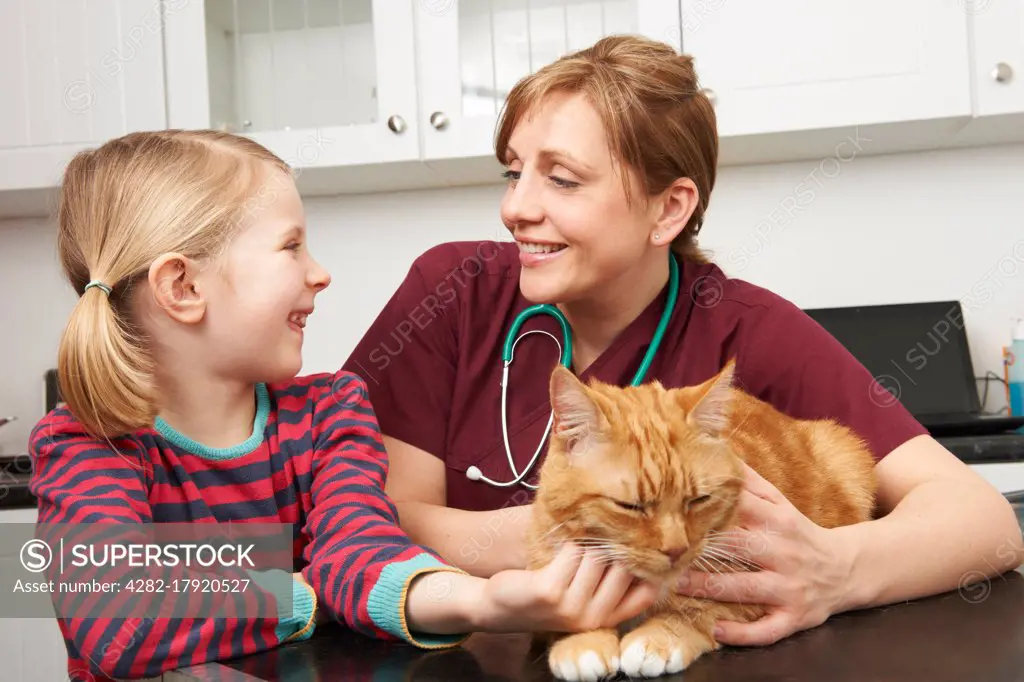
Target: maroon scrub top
432, 363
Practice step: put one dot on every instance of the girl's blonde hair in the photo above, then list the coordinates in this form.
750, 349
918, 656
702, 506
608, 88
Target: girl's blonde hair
658, 121
122, 206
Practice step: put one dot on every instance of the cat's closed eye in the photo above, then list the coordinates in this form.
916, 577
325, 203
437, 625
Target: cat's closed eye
701, 499
629, 506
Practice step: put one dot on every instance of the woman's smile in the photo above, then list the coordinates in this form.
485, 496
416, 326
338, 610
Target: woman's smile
533, 254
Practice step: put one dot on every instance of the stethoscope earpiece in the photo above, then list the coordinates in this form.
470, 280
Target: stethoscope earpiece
473, 473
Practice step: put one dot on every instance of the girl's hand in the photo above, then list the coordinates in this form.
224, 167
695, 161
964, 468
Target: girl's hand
577, 591
804, 576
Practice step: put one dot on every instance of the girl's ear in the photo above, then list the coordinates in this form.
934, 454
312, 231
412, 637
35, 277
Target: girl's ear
175, 289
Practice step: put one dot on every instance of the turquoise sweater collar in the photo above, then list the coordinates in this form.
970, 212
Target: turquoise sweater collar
244, 448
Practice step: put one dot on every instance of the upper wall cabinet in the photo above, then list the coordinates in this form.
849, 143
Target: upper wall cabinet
72, 75
322, 83
998, 30
805, 64
471, 53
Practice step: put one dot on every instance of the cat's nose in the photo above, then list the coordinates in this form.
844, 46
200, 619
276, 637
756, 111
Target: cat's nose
673, 553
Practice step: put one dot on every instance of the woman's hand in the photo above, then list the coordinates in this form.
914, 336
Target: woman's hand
804, 576
577, 591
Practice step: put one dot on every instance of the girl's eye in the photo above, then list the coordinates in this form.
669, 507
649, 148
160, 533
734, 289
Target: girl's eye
293, 246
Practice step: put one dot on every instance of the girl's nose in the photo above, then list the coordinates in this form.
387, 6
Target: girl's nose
319, 277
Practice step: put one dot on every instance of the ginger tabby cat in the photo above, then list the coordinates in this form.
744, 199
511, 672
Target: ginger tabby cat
651, 477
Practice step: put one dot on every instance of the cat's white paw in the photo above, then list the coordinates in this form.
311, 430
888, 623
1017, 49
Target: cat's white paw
641, 659
589, 666
585, 657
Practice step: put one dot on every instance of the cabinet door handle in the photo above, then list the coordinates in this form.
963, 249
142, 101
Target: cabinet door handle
397, 124
1002, 73
439, 120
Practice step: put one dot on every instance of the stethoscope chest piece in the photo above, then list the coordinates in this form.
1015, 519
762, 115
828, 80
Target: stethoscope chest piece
473, 473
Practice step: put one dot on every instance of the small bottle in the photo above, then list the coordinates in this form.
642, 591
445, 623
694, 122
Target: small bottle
1015, 370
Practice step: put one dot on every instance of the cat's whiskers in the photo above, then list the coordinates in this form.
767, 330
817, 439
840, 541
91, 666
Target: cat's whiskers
552, 530
717, 564
731, 542
603, 550
739, 538
731, 554
725, 554
704, 565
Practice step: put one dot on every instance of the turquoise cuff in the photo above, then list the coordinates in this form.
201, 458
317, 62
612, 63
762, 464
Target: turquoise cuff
294, 615
386, 603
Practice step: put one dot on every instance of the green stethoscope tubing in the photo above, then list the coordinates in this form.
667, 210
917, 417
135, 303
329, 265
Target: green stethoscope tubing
473, 473
566, 360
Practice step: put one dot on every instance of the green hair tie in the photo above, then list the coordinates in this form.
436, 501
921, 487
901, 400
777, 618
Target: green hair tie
99, 285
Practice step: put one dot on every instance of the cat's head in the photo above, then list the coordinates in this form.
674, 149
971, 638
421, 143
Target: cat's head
643, 472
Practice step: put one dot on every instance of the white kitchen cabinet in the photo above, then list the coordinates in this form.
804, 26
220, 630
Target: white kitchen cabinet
804, 65
74, 74
376, 95
471, 53
998, 60
996, 30
325, 84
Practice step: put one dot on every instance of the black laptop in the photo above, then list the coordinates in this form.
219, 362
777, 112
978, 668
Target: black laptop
922, 349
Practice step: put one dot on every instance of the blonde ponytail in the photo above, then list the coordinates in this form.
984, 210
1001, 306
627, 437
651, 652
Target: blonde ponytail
122, 206
104, 371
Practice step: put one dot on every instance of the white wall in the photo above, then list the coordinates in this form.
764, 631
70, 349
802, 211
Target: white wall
863, 231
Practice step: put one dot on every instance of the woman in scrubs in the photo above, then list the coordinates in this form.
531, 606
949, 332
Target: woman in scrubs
611, 158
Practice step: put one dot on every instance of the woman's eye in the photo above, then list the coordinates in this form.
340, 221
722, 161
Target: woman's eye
293, 246
511, 175
563, 183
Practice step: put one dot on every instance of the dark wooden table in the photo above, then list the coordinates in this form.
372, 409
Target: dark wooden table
974, 634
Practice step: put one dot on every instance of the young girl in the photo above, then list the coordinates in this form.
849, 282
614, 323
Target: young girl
178, 364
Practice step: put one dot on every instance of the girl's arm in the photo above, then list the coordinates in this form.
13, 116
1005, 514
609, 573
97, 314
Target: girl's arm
360, 562
79, 480
577, 591
370, 575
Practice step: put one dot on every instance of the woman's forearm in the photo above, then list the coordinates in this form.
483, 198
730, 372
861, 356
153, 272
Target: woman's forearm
941, 536
480, 543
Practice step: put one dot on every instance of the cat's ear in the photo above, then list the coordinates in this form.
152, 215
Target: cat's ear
711, 413
576, 416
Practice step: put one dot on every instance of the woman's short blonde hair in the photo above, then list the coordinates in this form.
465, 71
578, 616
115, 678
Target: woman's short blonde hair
659, 123
121, 207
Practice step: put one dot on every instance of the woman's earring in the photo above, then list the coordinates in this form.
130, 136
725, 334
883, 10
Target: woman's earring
657, 236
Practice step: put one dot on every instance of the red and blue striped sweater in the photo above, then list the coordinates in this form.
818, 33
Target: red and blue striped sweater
315, 459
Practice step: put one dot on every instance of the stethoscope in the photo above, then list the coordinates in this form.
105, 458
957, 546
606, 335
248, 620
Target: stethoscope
473, 473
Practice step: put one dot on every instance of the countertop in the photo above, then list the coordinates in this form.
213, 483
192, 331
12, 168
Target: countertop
974, 633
